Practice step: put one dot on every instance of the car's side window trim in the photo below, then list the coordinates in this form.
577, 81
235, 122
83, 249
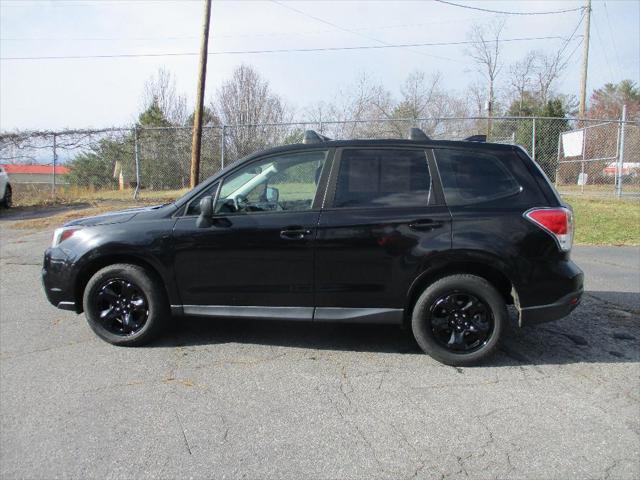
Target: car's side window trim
198, 198
317, 199
434, 200
321, 190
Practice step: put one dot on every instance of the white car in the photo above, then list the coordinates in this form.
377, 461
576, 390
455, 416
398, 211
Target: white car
5, 189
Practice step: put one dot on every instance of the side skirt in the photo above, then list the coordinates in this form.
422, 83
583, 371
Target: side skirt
304, 314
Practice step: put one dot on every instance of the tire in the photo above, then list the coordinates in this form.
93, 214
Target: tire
458, 320
135, 303
7, 201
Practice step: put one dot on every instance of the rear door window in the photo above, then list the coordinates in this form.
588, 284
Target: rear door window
472, 177
382, 178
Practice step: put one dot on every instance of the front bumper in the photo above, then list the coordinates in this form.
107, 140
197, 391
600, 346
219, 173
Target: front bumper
57, 280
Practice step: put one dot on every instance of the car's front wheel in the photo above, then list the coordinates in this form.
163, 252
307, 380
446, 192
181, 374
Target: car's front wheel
458, 320
125, 305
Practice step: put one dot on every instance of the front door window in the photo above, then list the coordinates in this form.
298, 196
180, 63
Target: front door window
280, 183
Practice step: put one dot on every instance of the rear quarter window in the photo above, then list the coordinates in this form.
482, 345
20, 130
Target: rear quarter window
470, 177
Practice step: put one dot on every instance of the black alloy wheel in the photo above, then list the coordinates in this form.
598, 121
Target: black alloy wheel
461, 322
123, 308
459, 319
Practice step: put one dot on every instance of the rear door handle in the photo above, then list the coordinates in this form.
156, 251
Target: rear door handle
294, 233
424, 225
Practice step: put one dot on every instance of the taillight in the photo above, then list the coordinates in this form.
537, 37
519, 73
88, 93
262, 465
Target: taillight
556, 221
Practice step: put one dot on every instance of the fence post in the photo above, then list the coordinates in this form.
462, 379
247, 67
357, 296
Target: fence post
137, 160
222, 147
621, 151
584, 150
555, 181
55, 161
533, 140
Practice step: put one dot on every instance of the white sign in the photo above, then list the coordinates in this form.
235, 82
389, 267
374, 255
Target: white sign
572, 143
582, 178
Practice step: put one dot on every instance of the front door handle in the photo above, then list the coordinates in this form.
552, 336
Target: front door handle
294, 233
425, 225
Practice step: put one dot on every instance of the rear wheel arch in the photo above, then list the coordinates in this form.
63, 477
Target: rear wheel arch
495, 276
99, 263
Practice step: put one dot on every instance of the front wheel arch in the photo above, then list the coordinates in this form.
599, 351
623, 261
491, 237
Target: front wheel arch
99, 263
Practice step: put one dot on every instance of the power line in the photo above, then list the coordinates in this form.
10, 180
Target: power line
566, 44
575, 49
553, 12
603, 48
242, 35
347, 30
283, 50
613, 40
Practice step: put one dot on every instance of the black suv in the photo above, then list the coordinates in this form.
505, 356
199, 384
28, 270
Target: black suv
438, 235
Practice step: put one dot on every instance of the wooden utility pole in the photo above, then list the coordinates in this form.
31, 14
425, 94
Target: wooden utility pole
585, 60
196, 139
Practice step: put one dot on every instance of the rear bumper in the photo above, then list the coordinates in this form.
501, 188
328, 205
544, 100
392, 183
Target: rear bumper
550, 312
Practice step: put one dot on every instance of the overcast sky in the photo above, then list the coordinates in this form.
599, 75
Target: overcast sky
100, 92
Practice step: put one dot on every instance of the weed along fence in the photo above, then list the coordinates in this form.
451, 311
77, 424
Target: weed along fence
586, 157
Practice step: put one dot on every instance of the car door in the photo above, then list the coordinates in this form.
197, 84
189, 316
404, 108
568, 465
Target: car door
256, 259
383, 221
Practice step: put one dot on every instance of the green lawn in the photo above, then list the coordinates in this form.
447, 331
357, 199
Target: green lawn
606, 221
599, 221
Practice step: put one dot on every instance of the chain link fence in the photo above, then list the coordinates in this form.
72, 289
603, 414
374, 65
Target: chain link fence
582, 157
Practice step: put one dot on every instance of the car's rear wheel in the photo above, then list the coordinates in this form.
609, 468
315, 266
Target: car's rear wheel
125, 305
7, 201
458, 320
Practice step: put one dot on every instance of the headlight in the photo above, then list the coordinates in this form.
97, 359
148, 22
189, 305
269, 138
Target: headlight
62, 233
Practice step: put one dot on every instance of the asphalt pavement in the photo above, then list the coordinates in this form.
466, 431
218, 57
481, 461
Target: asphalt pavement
259, 400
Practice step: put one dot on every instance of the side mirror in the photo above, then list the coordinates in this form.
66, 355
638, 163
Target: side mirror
205, 219
272, 195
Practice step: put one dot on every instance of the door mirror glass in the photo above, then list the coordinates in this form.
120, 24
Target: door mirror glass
206, 212
272, 195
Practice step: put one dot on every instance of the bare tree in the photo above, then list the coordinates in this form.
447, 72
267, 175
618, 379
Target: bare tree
521, 77
424, 98
476, 98
422, 103
161, 90
485, 51
362, 100
548, 68
246, 99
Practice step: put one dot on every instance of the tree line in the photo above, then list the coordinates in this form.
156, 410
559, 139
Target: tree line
524, 88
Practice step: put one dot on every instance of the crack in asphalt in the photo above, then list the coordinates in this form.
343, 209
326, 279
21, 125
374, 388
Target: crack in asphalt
184, 434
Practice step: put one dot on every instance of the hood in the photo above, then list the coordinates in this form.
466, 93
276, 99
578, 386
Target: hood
119, 216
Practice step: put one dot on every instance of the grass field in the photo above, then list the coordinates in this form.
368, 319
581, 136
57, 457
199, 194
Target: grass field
599, 221
72, 195
606, 221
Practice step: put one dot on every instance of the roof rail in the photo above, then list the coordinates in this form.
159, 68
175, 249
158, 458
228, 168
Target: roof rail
476, 138
311, 136
418, 135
